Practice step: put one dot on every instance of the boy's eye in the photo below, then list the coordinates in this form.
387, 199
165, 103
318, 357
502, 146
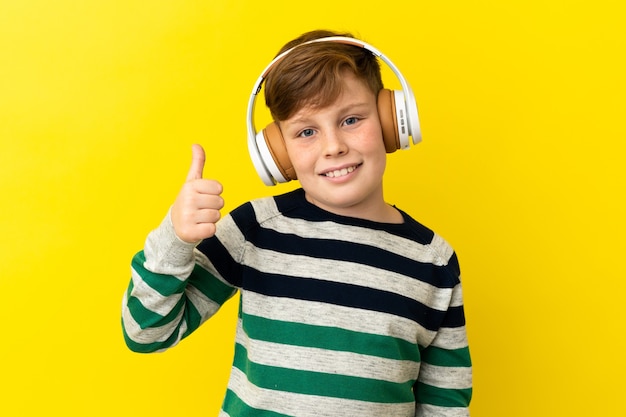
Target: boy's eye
350, 120
306, 133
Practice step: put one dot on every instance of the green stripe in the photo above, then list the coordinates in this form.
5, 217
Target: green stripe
322, 384
210, 286
192, 317
200, 278
147, 318
148, 347
234, 406
331, 338
442, 397
166, 285
447, 357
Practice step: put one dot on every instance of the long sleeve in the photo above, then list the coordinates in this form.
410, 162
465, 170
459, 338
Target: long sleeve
444, 385
173, 290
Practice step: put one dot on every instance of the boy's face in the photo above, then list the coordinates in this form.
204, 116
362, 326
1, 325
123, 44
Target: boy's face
338, 152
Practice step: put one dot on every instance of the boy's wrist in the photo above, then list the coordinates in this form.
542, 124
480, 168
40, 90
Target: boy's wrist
166, 253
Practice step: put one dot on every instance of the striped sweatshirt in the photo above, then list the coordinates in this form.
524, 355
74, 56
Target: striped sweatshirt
338, 317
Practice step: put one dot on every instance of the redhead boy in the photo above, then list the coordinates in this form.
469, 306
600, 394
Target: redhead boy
348, 306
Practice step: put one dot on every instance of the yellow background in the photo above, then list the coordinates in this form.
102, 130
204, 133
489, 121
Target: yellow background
521, 169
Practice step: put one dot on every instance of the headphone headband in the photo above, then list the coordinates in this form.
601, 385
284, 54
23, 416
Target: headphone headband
259, 152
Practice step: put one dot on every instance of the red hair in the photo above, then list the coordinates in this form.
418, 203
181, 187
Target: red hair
311, 75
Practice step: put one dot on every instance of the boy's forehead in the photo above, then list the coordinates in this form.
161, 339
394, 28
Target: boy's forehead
352, 94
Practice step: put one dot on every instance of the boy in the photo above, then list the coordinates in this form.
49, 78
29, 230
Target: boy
348, 307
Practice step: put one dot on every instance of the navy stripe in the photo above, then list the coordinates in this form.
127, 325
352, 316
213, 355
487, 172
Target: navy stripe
455, 317
294, 205
244, 217
222, 260
453, 266
438, 276
344, 295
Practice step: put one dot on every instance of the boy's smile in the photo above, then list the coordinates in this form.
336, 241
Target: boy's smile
339, 155
340, 172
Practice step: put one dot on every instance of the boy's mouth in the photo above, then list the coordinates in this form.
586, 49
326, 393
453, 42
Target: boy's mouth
340, 172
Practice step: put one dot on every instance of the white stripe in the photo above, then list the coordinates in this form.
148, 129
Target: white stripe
448, 377
425, 410
302, 405
440, 246
451, 338
438, 252
327, 361
205, 306
456, 299
231, 237
350, 273
322, 314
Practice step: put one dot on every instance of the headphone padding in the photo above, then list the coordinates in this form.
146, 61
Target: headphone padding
276, 144
388, 120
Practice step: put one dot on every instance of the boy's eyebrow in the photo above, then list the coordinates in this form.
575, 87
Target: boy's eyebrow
297, 119
351, 106
345, 109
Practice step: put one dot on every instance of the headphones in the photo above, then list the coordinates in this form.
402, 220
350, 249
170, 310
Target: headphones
397, 111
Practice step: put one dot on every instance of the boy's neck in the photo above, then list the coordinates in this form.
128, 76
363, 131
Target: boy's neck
380, 213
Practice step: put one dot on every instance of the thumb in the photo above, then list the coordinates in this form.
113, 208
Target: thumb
197, 163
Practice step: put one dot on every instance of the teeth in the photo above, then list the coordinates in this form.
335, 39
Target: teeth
340, 172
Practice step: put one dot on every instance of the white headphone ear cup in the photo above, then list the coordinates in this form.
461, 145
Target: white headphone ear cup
257, 160
401, 119
412, 116
268, 160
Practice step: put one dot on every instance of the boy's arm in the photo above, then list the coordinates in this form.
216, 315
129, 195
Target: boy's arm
444, 385
172, 291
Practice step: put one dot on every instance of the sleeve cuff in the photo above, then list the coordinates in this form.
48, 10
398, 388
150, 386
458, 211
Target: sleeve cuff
166, 253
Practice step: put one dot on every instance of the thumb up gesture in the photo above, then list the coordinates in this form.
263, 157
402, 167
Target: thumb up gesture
197, 206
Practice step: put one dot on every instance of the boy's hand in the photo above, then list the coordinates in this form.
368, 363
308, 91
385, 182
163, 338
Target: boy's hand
198, 204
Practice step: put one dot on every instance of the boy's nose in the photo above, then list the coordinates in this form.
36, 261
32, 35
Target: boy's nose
334, 144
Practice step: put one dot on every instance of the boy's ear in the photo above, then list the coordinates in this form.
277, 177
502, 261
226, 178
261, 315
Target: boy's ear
388, 115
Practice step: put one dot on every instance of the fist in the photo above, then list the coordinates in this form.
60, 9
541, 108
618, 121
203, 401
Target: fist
197, 206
